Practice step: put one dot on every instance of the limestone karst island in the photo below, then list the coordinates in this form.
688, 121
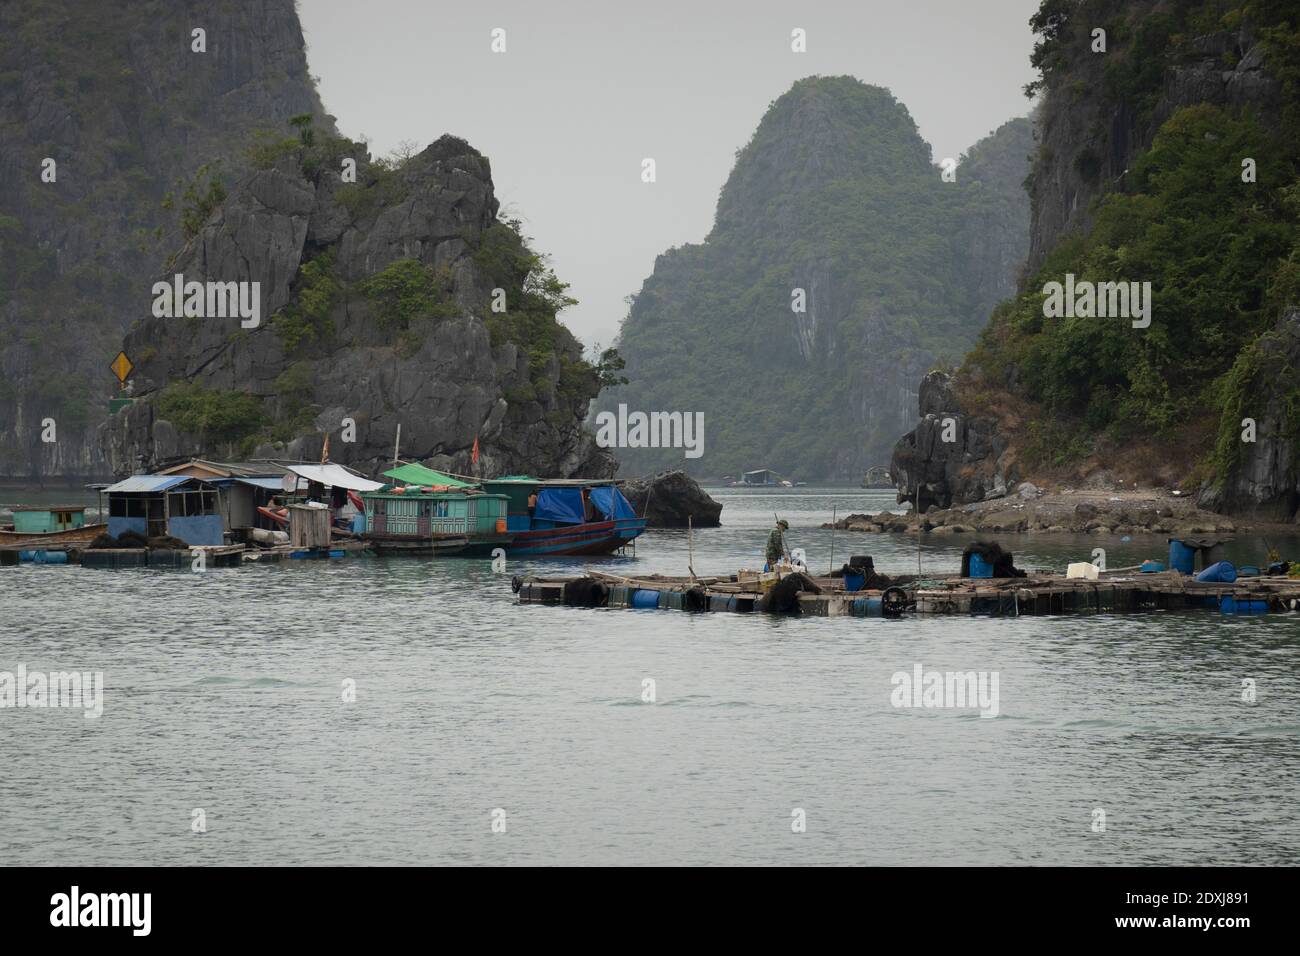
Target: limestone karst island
591, 434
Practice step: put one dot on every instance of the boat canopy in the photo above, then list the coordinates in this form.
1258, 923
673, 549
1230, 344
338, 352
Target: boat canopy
610, 502
561, 505
417, 474
335, 476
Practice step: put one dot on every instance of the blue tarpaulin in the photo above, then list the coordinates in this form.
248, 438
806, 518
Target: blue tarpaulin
562, 505
610, 502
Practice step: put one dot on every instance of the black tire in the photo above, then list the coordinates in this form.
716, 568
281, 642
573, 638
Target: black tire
695, 600
894, 601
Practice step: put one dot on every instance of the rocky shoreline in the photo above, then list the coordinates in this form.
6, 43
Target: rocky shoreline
1067, 512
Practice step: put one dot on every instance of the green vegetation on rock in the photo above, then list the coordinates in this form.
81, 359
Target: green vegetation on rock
1222, 254
835, 195
219, 415
306, 319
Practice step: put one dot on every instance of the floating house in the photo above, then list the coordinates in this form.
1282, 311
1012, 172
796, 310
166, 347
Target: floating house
760, 476
427, 512
42, 519
49, 523
245, 488
177, 505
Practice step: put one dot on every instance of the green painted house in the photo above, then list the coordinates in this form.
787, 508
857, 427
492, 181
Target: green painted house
47, 519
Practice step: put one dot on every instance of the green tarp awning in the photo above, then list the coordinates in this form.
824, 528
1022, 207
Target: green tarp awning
416, 474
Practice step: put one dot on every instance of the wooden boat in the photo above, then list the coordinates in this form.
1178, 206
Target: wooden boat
565, 516
49, 525
34, 539
418, 520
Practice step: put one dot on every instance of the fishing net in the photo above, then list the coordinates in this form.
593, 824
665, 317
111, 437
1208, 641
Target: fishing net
132, 539
993, 554
783, 597
585, 592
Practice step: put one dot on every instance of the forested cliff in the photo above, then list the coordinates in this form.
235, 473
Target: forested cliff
838, 201
1169, 146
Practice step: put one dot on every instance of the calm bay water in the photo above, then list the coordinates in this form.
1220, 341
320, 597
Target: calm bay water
223, 691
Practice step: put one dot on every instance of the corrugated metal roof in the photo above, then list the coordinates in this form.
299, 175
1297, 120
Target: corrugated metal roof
273, 484
226, 469
139, 483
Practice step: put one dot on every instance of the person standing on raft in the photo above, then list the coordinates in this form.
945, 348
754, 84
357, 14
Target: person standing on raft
776, 549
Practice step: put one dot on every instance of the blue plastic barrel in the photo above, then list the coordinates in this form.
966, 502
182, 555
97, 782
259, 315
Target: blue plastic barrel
1230, 605
51, 557
1221, 572
1151, 567
1248, 571
645, 598
854, 582
866, 607
979, 568
1181, 557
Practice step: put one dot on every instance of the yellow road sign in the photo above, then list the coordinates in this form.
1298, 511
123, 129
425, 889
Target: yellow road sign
122, 367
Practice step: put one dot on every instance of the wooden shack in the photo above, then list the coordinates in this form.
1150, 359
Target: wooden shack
176, 505
309, 527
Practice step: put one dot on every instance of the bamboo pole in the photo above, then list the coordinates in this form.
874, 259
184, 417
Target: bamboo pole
690, 546
834, 514
917, 509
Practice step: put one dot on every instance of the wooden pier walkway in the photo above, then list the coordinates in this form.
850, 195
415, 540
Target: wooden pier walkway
1038, 594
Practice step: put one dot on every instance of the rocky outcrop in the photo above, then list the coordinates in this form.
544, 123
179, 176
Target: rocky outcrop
1116, 128
669, 498
1262, 477
126, 108
841, 265
375, 301
1059, 513
950, 457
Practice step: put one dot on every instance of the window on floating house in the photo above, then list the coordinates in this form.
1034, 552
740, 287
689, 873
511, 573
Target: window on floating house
190, 504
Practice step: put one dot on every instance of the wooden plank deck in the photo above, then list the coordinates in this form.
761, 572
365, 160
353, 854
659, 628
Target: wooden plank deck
1039, 594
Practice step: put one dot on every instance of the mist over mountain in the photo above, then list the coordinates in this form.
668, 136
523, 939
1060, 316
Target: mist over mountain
840, 268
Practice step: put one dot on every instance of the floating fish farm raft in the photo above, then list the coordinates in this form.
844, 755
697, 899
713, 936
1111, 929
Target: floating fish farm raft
1035, 594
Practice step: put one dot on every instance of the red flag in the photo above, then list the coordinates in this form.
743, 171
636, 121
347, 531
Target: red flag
473, 458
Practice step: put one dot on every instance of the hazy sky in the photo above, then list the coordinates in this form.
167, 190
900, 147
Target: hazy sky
587, 89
